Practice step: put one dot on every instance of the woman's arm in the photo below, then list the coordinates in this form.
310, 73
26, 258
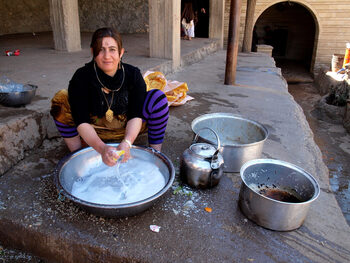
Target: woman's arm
132, 129
88, 133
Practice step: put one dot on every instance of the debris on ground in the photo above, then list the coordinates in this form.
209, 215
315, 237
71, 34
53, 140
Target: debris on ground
154, 228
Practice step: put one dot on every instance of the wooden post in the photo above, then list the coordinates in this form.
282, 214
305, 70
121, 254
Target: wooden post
232, 45
248, 29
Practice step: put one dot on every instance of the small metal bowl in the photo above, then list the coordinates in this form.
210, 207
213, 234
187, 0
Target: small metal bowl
18, 97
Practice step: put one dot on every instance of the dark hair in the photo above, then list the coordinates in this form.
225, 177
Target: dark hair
188, 13
99, 34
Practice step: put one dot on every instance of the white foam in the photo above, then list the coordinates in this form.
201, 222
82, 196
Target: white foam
123, 183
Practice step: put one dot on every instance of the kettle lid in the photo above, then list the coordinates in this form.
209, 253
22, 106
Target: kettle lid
205, 150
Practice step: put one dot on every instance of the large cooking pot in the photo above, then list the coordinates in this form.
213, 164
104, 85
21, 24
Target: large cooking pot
276, 194
242, 139
117, 191
202, 164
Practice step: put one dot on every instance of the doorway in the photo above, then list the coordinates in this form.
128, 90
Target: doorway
290, 28
201, 10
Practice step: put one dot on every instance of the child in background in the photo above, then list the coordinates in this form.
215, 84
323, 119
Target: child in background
187, 21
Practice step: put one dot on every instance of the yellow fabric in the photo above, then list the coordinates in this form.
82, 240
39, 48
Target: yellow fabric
175, 91
155, 80
107, 131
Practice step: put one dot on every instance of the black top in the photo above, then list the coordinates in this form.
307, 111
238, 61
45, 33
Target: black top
86, 98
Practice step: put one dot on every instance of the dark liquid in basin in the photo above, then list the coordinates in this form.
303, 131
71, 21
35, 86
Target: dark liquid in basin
280, 195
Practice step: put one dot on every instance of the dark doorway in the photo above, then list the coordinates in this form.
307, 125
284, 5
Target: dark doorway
201, 9
290, 28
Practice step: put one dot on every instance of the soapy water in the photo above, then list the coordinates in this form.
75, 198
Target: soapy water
123, 183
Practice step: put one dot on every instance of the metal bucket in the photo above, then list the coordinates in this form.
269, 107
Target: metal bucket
337, 62
242, 139
276, 194
79, 165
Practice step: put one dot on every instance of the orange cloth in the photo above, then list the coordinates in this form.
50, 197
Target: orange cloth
107, 131
175, 91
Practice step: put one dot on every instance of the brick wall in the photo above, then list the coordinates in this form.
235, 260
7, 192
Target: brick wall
332, 22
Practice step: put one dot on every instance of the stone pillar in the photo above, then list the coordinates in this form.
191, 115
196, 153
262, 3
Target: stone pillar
64, 19
216, 20
164, 30
249, 25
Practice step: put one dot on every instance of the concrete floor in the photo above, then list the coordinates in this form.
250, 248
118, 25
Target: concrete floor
33, 219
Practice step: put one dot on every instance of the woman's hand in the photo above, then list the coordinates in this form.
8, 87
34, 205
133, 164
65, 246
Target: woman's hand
109, 155
126, 148
132, 129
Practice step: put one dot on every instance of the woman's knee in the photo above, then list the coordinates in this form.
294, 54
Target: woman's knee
156, 103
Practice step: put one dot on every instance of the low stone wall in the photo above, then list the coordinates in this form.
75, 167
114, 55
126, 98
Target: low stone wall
20, 132
331, 83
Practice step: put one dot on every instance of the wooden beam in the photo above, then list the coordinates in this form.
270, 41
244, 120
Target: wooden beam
249, 25
232, 45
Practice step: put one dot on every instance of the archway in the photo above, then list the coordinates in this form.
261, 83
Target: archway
290, 28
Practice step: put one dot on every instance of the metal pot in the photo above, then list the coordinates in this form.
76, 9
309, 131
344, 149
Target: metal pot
202, 164
276, 194
242, 140
22, 95
80, 164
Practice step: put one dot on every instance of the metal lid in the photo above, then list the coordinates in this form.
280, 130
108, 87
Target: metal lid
203, 149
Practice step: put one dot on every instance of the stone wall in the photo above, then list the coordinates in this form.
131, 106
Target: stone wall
18, 16
128, 16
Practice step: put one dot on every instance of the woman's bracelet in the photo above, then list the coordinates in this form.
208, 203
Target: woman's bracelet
128, 142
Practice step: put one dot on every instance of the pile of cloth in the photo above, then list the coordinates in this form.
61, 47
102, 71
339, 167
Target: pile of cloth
175, 91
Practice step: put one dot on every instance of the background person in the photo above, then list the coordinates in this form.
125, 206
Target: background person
187, 21
107, 101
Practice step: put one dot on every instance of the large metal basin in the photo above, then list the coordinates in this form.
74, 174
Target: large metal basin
81, 165
242, 139
276, 194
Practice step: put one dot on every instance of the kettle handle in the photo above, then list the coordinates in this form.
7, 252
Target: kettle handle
216, 135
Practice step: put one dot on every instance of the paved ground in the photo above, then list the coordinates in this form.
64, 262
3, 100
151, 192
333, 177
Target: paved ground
33, 219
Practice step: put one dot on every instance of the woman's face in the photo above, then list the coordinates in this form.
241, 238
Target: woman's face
109, 57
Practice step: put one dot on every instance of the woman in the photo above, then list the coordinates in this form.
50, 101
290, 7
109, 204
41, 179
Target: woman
188, 21
107, 100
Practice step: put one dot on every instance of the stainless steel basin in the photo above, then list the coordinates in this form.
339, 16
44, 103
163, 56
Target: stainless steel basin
80, 165
242, 139
276, 194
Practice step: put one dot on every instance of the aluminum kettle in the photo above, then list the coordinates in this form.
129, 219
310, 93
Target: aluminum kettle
202, 164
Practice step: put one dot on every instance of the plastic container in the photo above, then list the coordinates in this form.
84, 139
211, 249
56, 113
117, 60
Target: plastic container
347, 55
